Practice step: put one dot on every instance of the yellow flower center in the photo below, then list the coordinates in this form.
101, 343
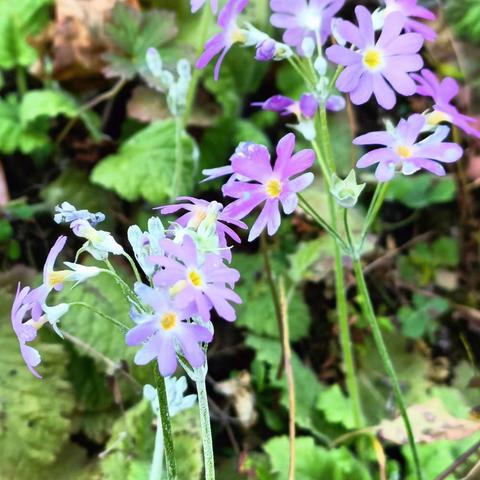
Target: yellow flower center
168, 321
372, 59
198, 217
195, 278
404, 151
57, 278
437, 117
273, 188
237, 36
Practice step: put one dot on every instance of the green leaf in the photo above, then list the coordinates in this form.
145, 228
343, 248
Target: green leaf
6, 230
421, 190
257, 312
144, 167
19, 20
34, 414
132, 33
46, 103
307, 254
132, 442
420, 319
101, 292
336, 407
16, 136
314, 462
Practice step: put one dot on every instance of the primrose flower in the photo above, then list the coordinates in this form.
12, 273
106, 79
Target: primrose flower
223, 41
411, 10
267, 185
195, 282
67, 213
203, 217
146, 244
196, 5
304, 19
164, 331
402, 151
442, 94
377, 67
26, 332
99, 243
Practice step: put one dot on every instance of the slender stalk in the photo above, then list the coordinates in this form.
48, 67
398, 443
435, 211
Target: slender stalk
373, 209
208, 457
120, 325
166, 426
156, 469
290, 380
133, 265
192, 89
340, 290
369, 314
177, 176
274, 294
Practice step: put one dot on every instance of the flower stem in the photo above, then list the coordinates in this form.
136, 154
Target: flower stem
373, 209
134, 267
208, 457
21, 80
290, 380
369, 313
166, 427
192, 89
157, 461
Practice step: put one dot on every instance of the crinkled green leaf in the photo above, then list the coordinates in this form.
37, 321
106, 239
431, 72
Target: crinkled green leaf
18, 21
144, 167
16, 136
34, 413
103, 293
132, 442
313, 462
132, 33
336, 407
46, 103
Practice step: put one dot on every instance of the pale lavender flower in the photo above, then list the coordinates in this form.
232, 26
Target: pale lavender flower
67, 213
223, 41
412, 11
196, 5
306, 107
377, 67
266, 50
197, 281
304, 19
199, 210
26, 332
163, 331
442, 94
267, 185
402, 151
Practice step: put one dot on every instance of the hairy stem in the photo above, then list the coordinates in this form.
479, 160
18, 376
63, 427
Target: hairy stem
120, 325
166, 427
369, 314
209, 462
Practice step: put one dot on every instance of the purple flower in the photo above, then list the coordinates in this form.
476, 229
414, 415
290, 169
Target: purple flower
266, 50
195, 281
196, 5
411, 10
52, 280
442, 94
271, 186
304, 18
401, 150
26, 332
164, 330
377, 67
223, 41
199, 211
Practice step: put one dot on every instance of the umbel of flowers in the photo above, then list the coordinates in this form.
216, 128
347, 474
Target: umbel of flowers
184, 283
